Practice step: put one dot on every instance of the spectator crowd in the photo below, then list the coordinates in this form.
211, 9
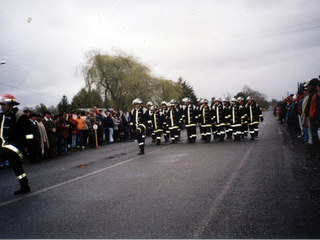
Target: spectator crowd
56, 135
301, 113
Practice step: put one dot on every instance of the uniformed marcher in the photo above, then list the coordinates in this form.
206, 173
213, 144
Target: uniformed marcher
149, 132
190, 119
219, 120
15, 135
227, 107
199, 107
235, 120
205, 116
139, 118
213, 126
166, 131
179, 109
254, 115
244, 115
173, 120
157, 122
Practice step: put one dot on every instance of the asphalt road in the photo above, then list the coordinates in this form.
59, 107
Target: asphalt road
247, 189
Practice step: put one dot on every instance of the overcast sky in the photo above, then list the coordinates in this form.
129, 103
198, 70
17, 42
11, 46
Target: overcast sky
217, 46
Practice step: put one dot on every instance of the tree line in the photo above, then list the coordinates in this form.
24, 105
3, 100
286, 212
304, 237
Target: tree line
114, 80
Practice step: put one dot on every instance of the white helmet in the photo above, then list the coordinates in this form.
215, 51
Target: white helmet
149, 104
137, 101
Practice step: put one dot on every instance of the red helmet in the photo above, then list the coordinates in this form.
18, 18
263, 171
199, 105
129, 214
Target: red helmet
7, 98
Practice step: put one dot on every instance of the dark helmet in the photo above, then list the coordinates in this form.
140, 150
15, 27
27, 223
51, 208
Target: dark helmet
249, 98
7, 98
154, 107
175, 101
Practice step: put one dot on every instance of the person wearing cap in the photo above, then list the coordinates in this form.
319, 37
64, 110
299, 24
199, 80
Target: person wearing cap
190, 119
173, 117
219, 120
51, 129
166, 131
139, 119
157, 122
205, 120
15, 135
254, 117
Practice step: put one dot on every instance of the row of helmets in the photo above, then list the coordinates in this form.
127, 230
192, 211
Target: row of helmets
188, 100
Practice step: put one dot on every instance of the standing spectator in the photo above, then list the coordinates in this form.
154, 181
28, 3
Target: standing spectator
26, 112
50, 127
305, 119
106, 128
100, 122
55, 137
85, 129
62, 133
34, 149
116, 130
125, 124
311, 110
110, 126
90, 121
44, 138
72, 140
80, 128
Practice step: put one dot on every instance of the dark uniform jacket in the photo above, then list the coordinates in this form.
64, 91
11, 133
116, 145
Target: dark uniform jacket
190, 115
157, 121
218, 115
15, 131
207, 113
254, 113
235, 116
175, 116
139, 117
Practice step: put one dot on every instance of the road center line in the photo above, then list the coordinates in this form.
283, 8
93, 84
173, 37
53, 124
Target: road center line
220, 198
76, 179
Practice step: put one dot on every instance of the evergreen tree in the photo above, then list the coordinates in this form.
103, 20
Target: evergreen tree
186, 90
64, 105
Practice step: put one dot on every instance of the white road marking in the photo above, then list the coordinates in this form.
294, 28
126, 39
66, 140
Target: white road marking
76, 179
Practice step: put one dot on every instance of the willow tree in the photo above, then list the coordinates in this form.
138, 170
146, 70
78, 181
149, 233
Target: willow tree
86, 99
121, 77
165, 90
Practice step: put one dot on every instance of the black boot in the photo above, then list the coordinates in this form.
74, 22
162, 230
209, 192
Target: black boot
158, 142
141, 150
24, 186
